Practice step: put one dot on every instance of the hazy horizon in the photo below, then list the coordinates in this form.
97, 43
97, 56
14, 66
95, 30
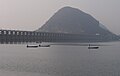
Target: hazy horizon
31, 15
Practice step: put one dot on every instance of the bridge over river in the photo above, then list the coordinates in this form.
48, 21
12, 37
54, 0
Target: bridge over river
16, 36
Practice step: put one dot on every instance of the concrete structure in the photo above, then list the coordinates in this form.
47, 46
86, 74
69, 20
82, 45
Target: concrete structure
16, 36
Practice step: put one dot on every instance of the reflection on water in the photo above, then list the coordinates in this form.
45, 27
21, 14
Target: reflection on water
17, 60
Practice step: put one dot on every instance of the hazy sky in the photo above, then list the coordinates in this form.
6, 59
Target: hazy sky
32, 14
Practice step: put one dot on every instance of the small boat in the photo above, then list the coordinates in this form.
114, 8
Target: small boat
44, 45
32, 46
93, 47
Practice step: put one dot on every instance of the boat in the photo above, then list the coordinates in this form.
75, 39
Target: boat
44, 45
32, 46
93, 47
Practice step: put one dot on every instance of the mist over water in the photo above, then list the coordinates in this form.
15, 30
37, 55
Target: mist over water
17, 60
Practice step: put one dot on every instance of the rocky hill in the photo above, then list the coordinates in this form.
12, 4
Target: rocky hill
72, 20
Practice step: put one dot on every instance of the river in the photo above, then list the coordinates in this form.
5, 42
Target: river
17, 60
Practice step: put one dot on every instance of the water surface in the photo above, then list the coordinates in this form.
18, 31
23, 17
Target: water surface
17, 60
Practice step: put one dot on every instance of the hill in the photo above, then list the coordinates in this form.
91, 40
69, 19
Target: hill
74, 21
